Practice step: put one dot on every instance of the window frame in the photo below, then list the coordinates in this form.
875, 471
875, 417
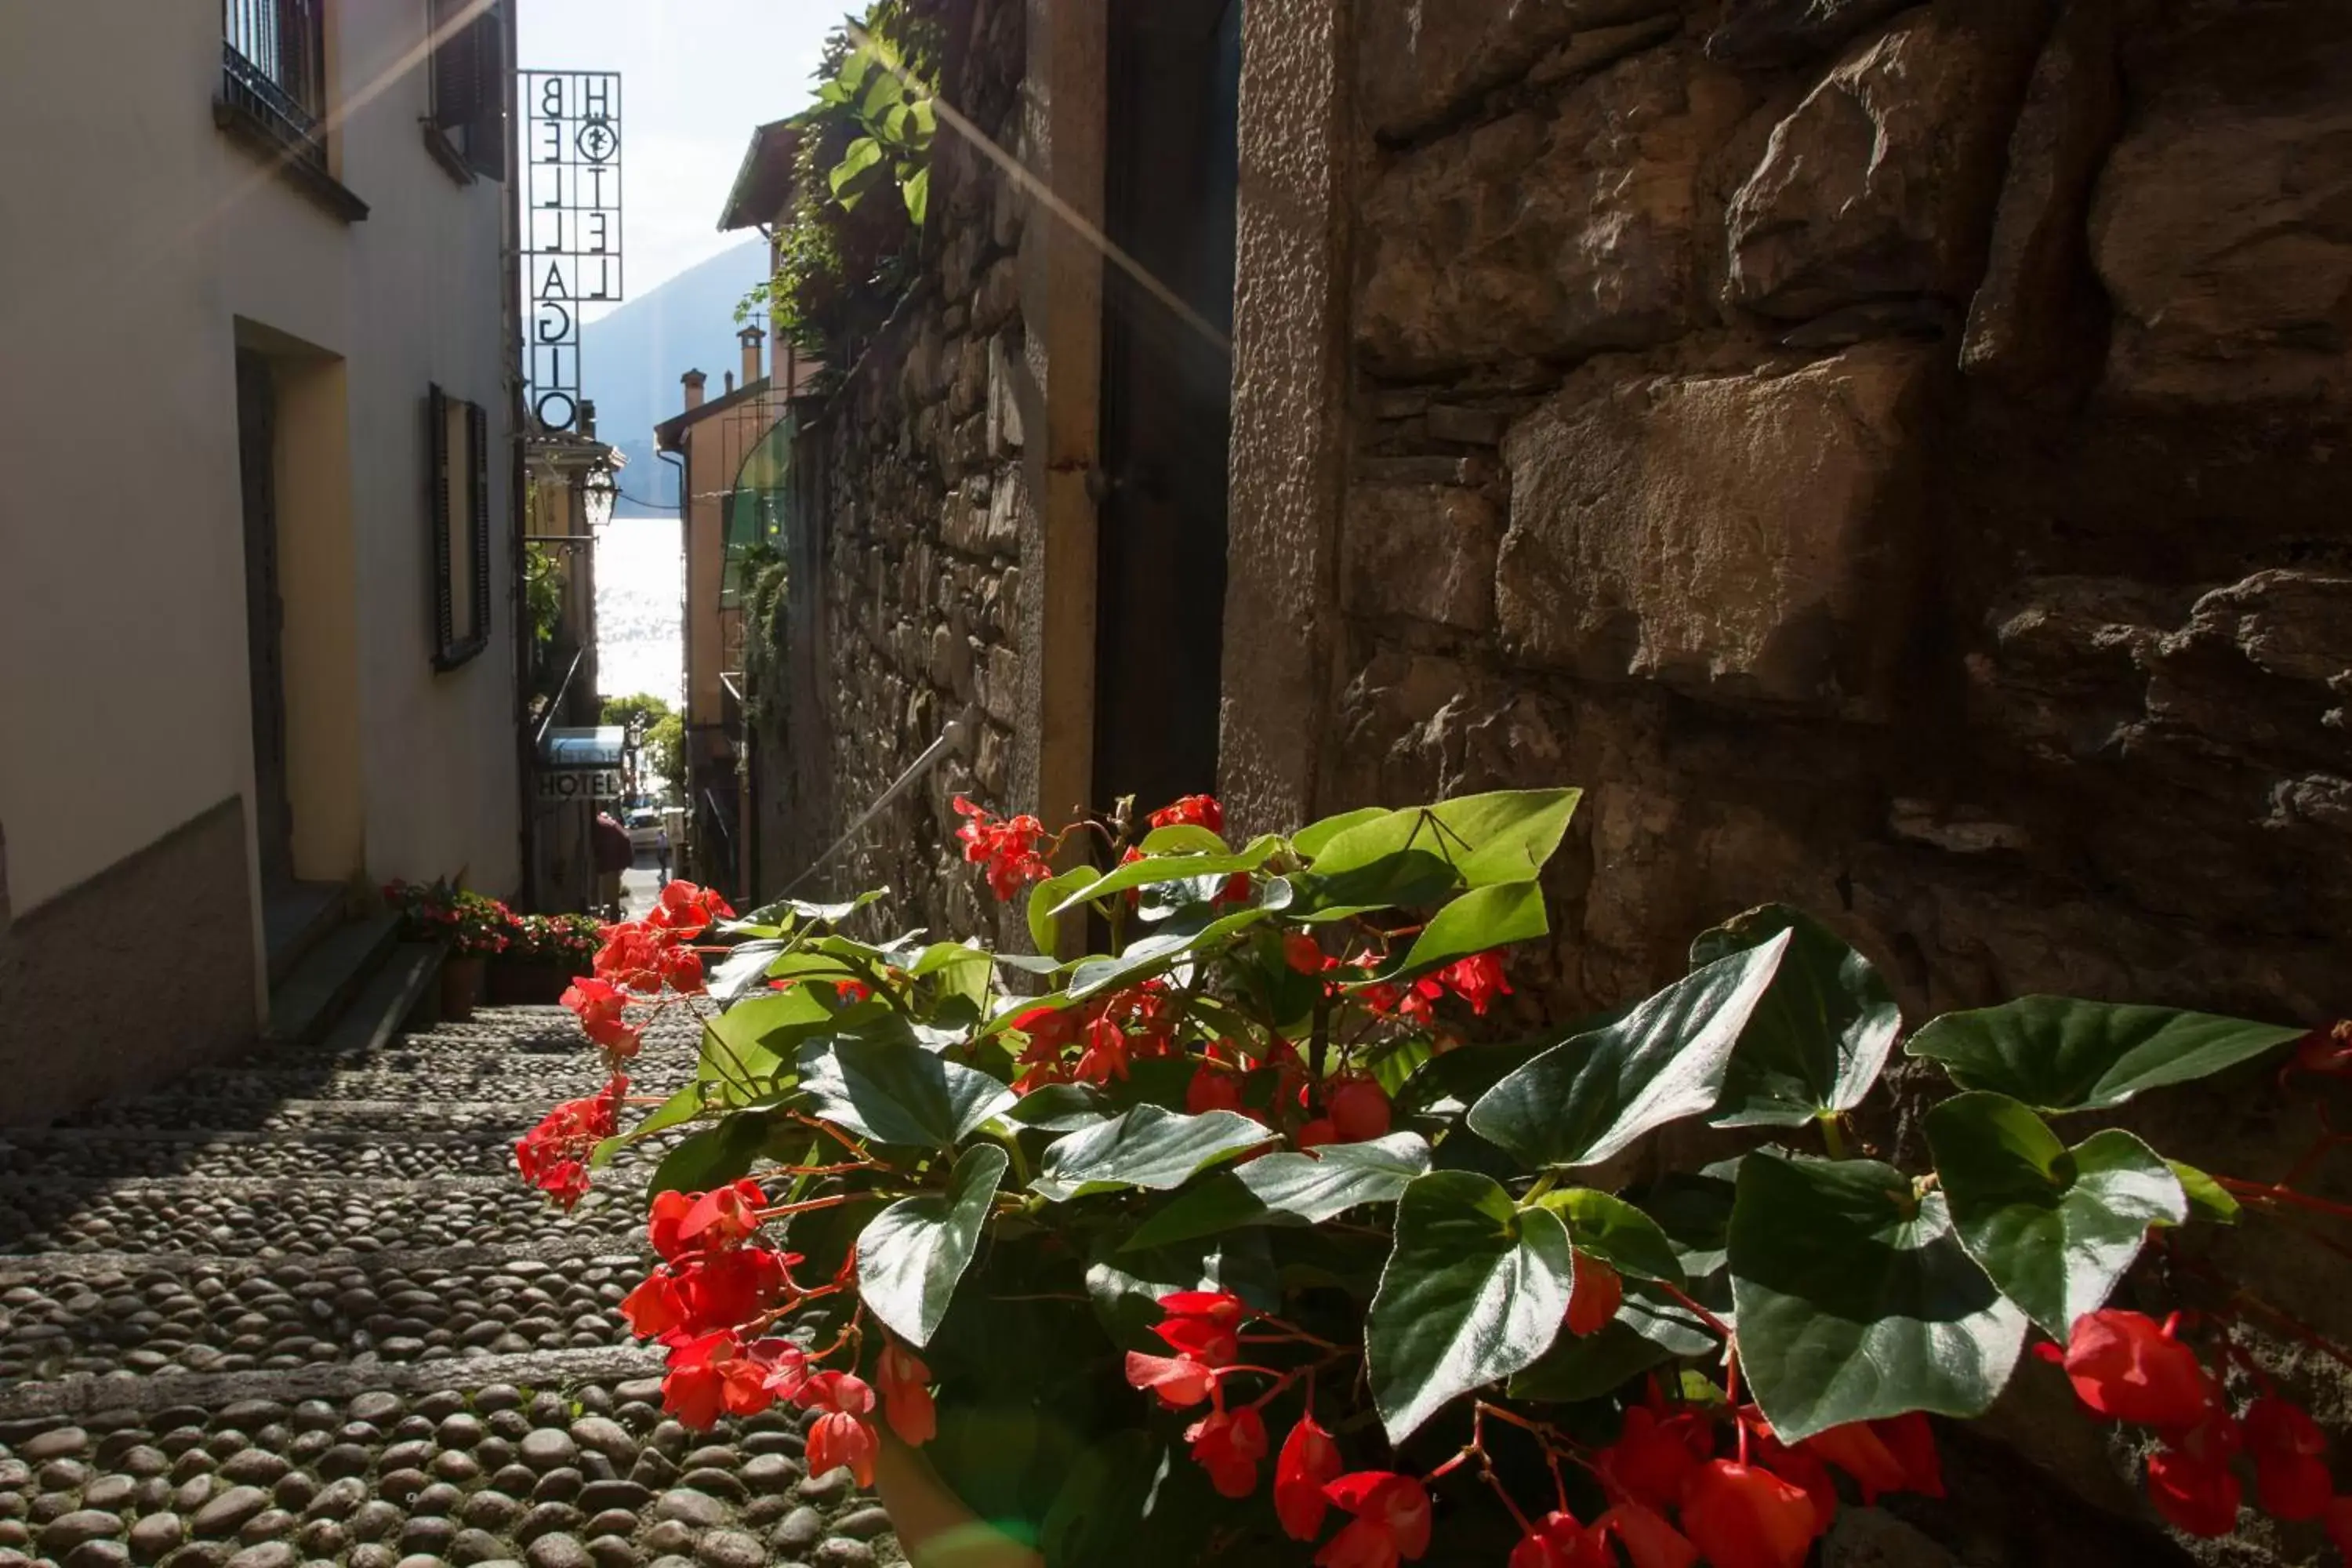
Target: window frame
445, 484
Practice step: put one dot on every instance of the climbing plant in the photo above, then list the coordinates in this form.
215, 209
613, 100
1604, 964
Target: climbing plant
1263, 1181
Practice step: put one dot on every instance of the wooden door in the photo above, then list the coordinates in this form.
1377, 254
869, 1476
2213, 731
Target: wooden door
1170, 186
265, 618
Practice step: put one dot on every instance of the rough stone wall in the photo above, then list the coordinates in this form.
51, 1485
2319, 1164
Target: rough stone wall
908, 578
1895, 457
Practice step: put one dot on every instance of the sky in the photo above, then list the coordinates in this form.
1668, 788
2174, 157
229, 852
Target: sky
695, 76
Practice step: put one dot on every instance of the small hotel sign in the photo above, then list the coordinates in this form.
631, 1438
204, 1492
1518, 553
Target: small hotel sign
571, 226
579, 784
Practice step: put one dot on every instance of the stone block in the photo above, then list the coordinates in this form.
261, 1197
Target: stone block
999, 295
2037, 317
970, 390
1006, 509
1780, 32
1472, 427
1739, 537
1006, 373
1419, 64
963, 526
2220, 226
1425, 551
1550, 234
1000, 693
1882, 180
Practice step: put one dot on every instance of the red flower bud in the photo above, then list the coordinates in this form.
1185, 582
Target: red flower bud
1740, 1516
1302, 952
1594, 1296
1229, 1446
1391, 1521
2125, 1367
1178, 1380
906, 1394
2195, 1497
1360, 1111
1652, 1458
1308, 1461
1558, 1541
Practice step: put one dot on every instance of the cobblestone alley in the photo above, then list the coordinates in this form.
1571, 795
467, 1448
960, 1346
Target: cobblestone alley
300, 1309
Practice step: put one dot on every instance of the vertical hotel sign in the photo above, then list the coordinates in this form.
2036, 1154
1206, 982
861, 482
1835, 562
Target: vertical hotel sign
571, 226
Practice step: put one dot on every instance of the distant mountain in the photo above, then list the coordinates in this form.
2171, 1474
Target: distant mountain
630, 362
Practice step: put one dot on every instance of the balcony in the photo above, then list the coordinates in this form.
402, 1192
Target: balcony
274, 91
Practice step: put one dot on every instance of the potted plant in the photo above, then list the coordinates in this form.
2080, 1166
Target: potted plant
1259, 1236
543, 954
473, 926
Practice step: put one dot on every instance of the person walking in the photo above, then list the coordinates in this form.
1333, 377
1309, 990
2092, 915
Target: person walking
613, 855
661, 854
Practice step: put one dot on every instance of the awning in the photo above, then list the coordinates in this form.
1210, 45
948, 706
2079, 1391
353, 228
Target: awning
601, 746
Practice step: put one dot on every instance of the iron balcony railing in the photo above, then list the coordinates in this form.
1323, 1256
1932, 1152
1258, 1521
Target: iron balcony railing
274, 66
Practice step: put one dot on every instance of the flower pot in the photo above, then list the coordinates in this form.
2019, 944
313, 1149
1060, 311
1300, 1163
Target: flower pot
527, 983
461, 987
935, 1529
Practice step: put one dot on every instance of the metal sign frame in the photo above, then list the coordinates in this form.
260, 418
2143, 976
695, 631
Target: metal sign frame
571, 226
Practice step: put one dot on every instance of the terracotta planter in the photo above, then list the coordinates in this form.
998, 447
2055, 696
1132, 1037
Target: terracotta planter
935, 1529
461, 987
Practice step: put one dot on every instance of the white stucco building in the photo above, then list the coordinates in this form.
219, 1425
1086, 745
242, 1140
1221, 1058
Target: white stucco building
258, 636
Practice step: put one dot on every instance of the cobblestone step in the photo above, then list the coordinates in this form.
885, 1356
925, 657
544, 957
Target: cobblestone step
308, 1218
300, 1310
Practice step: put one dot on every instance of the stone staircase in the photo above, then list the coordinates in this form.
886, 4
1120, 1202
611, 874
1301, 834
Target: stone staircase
300, 1310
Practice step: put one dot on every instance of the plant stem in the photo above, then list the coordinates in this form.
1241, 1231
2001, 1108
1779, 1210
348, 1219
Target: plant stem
1833, 1139
1543, 1183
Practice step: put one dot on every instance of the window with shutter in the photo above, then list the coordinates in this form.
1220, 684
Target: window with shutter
466, 130
458, 504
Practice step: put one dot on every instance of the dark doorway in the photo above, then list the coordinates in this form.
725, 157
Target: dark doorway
265, 620
1171, 178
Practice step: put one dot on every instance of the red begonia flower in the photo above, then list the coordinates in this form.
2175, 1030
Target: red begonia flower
1478, 980
1391, 1522
2290, 1480
669, 1210
1194, 810
681, 970
1213, 1090
1798, 1468
712, 1375
1895, 1455
1652, 1457
1105, 1056
553, 1156
907, 1404
1649, 1539
1559, 1540
2337, 1522
685, 912
1743, 1516
1205, 1325
1178, 1380
655, 1310
2196, 1496
727, 1217
842, 1401
2125, 1366
1594, 1296
599, 1006
1302, 952
632, 957
726, 1289
1229, 1445
783, 1366
1007, 849
1317, 1134
1359, 1110
1310, 1460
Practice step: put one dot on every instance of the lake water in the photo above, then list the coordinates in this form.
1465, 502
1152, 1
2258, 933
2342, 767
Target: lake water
640, 598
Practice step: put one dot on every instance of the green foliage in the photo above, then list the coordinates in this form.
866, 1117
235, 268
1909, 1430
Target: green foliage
841, 261
664, 749
542, 589
1165, 1117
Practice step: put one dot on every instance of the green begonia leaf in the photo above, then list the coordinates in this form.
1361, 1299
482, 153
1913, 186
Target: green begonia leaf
1045, 924
1818, 1039
1147, 1147
910, 1255
895, 1092
1856, 1301
710, 1158
1617, 1233
1505, 836
1481, 919
2207, 1199
2057, 1053
1648, 1332
1474, 1290
2055, 1228
1587, 1098
1169, 868
1289, 1189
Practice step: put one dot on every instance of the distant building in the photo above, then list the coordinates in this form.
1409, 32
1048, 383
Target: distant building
736, 452
258, 628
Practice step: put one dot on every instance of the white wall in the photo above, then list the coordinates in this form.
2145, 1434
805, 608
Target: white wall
133, 236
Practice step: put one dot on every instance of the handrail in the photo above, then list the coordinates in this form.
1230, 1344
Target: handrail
949, 738
555, 704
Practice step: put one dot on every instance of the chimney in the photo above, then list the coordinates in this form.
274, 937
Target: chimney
750, 338
693, 380
588, 417
731, 381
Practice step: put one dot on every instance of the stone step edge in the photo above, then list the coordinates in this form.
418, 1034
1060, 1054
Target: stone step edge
35, 1140
262, 1186
591, 1250
302, 1106
91, 1394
